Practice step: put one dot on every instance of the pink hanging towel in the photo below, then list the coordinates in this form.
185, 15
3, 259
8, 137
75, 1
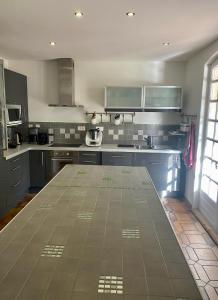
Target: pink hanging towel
189, 151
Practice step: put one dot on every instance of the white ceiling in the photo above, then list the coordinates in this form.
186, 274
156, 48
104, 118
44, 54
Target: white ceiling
105, 32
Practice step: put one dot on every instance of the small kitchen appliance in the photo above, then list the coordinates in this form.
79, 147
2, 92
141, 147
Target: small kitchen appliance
94, 137
13, 115
14, 137
33, 135
42, 138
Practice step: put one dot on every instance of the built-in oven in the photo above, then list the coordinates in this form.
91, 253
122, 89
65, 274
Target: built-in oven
58, 159
13, 115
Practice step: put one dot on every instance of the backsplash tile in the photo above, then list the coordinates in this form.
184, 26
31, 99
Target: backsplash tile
126, 133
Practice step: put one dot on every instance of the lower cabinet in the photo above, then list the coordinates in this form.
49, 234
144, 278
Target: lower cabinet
15, 182
89, 158
164, 169
31, 170
38, 164
117, 158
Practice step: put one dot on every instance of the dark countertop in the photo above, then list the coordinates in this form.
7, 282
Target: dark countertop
92, 232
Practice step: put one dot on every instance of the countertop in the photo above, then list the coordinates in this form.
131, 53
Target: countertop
94, 232
10, 153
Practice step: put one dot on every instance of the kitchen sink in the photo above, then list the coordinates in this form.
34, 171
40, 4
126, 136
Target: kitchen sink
142, 147
160, 147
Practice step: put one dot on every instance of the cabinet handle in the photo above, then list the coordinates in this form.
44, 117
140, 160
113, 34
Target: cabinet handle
42, 158
155, 163
16, 168
119, 156
16, 184
88, 154
13, 161
89, 161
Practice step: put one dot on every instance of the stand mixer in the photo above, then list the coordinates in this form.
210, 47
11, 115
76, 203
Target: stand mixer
94, 137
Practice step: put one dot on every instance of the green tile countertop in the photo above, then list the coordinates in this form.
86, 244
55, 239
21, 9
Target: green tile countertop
94, 232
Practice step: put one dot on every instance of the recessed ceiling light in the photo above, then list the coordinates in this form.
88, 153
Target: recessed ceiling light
79, 14
166, 44
52, 43
130, 14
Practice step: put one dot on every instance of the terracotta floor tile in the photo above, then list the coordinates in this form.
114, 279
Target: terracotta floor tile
198, 248
191, 253
214, 283
205, 254
208, 262
215, 250
196, 238
212, 272
188, 226
201, 272
183, 217
211, 292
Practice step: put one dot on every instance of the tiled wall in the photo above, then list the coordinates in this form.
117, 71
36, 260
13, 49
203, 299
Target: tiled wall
122, 134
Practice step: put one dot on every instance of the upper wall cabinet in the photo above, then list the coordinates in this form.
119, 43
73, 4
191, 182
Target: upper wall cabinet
162, 98
16, 91
123, 98
148, 98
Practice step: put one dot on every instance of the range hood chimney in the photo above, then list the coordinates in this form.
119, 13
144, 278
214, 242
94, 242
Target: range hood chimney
65, 69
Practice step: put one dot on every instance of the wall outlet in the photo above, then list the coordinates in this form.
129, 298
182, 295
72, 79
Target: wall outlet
81, 128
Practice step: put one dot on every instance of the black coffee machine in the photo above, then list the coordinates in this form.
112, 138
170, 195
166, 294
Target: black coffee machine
36, 137
33, 135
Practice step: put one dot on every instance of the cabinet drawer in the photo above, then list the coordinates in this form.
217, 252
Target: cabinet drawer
16, 192
90, 158
117, 159
14, 162
143, 159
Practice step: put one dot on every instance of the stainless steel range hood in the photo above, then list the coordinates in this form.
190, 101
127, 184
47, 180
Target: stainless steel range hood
65, 69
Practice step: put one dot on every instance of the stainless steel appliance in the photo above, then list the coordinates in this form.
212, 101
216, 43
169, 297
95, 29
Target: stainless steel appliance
58, 159
94, 137
13, 115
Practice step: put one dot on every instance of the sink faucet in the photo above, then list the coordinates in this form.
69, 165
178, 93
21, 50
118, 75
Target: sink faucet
149, 141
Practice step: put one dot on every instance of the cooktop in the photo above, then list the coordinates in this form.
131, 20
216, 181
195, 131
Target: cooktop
126, 145
65, 145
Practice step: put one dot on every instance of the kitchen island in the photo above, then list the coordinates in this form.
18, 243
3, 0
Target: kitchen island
94, 232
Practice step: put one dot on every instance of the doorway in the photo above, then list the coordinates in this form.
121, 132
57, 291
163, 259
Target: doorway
208, 204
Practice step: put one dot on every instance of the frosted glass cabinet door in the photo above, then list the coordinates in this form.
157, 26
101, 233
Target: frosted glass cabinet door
123, 97
163, 97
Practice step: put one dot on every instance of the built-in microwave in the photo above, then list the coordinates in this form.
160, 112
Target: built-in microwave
13, 115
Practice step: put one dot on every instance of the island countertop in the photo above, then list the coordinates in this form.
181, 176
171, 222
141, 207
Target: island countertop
94, 232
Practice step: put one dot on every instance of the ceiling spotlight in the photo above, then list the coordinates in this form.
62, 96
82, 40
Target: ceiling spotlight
52, 43
79, 14
166, 44
130, 14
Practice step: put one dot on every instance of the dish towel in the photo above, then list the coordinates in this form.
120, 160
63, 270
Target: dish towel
189, 151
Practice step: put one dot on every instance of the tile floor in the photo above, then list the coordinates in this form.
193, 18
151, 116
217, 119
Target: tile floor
199, 249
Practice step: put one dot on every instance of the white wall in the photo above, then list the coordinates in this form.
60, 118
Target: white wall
90, 79
194, 78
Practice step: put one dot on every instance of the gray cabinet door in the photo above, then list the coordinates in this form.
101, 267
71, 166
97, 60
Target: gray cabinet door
18, 179
117, 159
89, 158
38, 168
16, 91
15, 182
123, 98
164, 170
162, 98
